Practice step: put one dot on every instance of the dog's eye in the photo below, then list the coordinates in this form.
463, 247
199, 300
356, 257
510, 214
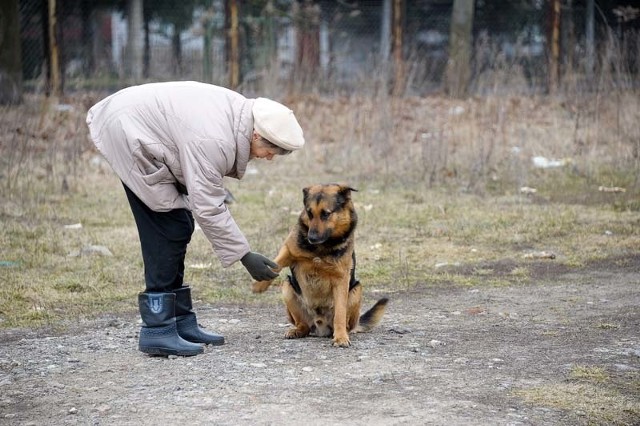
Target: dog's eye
310, 214
324, 215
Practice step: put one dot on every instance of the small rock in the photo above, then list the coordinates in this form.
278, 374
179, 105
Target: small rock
307, 369
258, 365
103, 408
73, 410
540, 255
399, 330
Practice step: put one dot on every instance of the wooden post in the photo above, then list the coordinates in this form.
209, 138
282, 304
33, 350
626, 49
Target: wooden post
55, 83
458, 74
554, 56
10, 54
233, 42
307, 22
135, 55
398, 58
590, 39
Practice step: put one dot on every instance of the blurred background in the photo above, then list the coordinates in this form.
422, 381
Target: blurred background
411, 48
483, 96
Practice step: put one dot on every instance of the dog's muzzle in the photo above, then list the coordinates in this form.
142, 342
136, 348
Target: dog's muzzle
316, 238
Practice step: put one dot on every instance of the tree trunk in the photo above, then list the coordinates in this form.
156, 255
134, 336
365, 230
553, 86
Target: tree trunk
458, 73
134, 51
55, 80
398, 42
554, 47
590, 39
207, 61
176, 50
567, 40
146, 50
307, 19
232, 18
10, 54
88, 35
385, 32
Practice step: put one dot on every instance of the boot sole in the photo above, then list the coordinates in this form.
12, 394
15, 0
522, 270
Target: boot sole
214, 343
167, 352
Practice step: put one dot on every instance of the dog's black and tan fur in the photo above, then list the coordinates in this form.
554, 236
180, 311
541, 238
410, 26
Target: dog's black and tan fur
322, 294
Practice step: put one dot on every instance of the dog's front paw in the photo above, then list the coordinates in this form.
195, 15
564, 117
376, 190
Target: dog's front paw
260, 286
341, 341
296, 333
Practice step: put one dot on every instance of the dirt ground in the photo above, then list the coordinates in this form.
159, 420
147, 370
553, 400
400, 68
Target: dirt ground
442, 356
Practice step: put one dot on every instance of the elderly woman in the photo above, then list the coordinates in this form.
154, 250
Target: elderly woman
171, 144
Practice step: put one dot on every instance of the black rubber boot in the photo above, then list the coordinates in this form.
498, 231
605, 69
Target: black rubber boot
187, 323
159, 333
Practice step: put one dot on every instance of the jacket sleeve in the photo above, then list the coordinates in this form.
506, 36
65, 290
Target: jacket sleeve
203, 179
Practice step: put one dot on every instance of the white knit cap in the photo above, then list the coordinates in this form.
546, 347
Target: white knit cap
276, 123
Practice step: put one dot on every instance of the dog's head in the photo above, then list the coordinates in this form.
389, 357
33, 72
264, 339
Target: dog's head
328, 212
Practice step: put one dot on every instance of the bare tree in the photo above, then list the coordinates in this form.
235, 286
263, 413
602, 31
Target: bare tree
307, 20
458, 72
590, 38
232, 19
554, 45
398, 47
134, 52
10, 53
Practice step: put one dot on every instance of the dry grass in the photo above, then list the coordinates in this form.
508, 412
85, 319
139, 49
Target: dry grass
592, 394
594, 404
438, 184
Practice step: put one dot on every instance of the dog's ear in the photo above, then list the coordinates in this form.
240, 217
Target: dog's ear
346, 190
344, 194
305, 194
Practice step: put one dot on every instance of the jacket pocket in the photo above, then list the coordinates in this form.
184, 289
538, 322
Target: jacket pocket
162, 175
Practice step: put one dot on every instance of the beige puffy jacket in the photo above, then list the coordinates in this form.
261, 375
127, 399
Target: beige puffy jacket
155, 134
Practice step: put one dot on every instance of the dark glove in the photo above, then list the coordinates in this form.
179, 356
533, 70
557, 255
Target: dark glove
259, 266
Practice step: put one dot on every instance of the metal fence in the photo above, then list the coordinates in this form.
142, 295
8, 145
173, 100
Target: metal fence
326, 45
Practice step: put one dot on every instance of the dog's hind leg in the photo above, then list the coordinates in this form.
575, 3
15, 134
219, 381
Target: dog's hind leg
297, 314
353, 307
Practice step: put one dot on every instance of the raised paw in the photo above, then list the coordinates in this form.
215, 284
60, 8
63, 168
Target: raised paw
260, 286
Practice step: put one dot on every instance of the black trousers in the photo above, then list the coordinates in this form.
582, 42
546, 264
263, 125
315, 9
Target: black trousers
164, 237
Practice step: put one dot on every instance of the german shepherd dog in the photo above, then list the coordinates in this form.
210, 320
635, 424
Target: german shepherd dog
322, 295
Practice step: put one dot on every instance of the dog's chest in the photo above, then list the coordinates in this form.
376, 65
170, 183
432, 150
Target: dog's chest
315, 278
315, 288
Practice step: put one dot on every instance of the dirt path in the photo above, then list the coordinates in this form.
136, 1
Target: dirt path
445, 356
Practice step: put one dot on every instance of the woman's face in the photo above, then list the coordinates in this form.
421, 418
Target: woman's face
259, 150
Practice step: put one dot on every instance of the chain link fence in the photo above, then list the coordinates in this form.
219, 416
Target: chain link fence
321, 45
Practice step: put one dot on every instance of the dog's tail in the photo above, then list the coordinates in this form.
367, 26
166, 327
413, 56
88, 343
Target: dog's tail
373, 316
